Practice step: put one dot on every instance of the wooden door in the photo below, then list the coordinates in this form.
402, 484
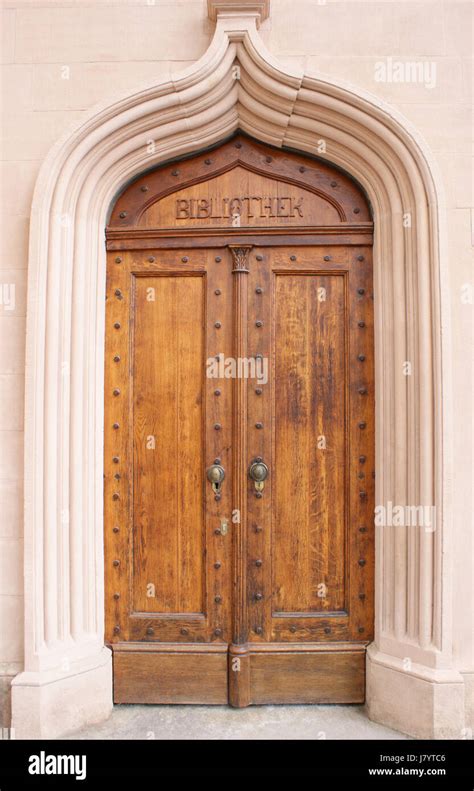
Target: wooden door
239, 332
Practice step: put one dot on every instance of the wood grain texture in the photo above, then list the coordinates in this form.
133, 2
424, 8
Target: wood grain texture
152, 677
288, 590
319, 677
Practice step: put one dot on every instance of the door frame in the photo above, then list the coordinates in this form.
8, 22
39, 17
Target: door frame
65, 657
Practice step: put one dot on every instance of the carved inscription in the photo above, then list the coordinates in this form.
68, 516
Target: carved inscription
247, 207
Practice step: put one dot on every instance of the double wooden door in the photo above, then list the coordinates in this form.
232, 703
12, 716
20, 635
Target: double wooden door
238, 454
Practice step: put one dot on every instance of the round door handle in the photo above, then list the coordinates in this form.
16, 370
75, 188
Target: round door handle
215, 475
258, 471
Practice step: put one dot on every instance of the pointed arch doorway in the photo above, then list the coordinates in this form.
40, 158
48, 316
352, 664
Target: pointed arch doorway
413, 682
239, 431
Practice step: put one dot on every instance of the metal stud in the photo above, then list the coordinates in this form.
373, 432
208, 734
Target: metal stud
361, 290
217, 531
356, 211
115, 496
207, 161
217, 292
362, 424
258, 529
184, 631
217, 325
258, 495
175, 173
217, 632
259, 323
116, 358
259, 425
144, 188
116, 392
258, 596
238, 145
118, 293
362, 391
259, 290
333, 183
150, 631
258, 630
218, 259
360, 257
362, 459
293, 629
362, 596
363, 495
116, 426
217, 426
258, 563
327, 257
217, 461
116, 563
115, 459
115, 529
218, 599
258, 390
361, 475
361, 629
362, 562
116, 595
259, 257
217, 392
117, 325
217, 565
363, 529
122, 215
116, 629
117, 476
118, 260
292, 257
217, 496
151, 259
361, 323
302, 169
361, 357
327, 630
185, 259
268, 159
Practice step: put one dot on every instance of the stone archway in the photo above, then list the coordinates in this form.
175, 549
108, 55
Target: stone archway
412, 684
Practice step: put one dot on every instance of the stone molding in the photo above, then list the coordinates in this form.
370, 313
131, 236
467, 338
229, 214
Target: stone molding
261, 8
78, 181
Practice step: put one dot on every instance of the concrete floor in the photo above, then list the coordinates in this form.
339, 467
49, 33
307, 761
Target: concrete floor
222, 722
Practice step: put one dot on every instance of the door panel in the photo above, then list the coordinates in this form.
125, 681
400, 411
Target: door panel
309, 521
239, 329
168, 444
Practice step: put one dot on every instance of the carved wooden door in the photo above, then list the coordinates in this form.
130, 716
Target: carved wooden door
239, 432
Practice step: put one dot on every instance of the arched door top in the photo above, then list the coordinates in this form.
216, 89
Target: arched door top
320, 194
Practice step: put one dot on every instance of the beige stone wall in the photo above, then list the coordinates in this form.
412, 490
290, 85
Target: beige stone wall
60, 57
